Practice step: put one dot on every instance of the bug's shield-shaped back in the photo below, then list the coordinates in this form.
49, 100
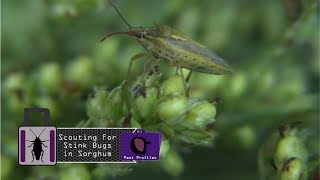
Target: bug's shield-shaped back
184, 52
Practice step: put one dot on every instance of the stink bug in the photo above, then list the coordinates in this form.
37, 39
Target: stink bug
174, 46
37, 147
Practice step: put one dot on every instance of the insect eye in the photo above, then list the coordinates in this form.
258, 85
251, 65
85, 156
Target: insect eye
143, 34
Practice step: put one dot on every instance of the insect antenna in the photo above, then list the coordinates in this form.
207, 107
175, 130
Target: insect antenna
42, 132
130, 27
33, 133
110, 34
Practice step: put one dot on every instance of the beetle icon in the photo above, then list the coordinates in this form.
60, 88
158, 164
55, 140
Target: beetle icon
37, 144
138, 145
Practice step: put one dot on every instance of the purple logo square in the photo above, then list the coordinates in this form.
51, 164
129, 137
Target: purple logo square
140, 146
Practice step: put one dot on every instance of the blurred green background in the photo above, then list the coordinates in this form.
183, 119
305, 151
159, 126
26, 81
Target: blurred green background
52, 57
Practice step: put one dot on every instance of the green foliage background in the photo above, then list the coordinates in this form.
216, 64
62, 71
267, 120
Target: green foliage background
52, 57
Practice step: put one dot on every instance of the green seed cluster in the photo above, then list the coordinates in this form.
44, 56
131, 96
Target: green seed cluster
285, 155
150, 102
156, 105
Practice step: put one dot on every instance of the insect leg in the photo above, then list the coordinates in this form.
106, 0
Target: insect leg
44, 145
177, 69
148, 64
154, 66
42, 155
32, 155
155, 69
135, 57
189, 76
187, 81
186, 85
31, 145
